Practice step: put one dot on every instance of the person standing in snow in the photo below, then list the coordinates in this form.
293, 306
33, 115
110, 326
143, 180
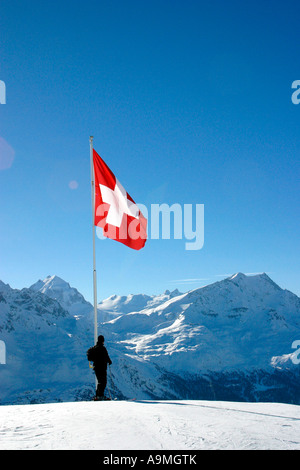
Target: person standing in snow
99, 356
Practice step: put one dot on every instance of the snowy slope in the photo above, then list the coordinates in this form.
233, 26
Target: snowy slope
173, 425
231, 340
228, 340
117, 305
44, 347
243, 321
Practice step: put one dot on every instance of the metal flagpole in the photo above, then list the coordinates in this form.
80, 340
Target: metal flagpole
94, 255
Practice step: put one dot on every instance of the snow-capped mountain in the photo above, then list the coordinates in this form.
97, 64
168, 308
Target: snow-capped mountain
44, 345
117, 305
228, 340
68, 297
239, 322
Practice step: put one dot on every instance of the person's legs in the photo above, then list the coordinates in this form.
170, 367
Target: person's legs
102, 380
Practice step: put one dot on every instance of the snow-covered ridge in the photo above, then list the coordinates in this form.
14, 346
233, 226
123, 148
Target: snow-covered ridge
228, 338
241, 322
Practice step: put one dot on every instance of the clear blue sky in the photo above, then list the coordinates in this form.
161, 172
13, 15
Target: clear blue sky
188, 101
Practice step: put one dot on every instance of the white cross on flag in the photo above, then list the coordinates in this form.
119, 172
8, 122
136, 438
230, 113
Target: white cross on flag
115, 211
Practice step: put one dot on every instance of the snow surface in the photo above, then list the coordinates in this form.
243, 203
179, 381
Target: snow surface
154, 425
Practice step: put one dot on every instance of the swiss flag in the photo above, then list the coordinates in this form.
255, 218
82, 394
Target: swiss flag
115, 211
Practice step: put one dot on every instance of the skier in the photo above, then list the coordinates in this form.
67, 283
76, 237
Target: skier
99, 356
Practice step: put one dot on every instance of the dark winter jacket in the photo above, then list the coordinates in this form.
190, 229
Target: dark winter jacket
100, 357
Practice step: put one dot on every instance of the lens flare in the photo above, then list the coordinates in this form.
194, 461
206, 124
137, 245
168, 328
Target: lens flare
7, 155
73, 184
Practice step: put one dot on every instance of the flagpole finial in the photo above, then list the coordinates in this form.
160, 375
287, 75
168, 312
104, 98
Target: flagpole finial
91, 138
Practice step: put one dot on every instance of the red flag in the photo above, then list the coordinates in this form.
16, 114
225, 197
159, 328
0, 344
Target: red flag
115, 211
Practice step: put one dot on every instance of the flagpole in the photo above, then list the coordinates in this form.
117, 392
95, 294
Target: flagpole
94, 255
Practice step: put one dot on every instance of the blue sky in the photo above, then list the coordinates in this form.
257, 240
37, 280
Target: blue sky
189, 102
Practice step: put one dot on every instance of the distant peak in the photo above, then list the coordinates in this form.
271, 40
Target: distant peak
55, 281
237, 276
4, 286
265, 276
174, 293
252, 278
49, 282
54, 278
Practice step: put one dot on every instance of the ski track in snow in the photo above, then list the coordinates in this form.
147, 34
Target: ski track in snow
154, 425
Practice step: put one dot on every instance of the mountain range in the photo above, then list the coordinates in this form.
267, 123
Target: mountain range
230, 340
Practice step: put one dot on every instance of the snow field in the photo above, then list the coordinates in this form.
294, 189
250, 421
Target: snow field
154, 425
